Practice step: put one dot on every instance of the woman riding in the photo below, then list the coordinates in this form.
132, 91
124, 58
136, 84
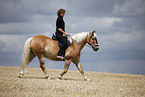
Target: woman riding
60, 32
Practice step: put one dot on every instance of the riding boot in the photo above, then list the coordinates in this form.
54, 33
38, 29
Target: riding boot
60, 54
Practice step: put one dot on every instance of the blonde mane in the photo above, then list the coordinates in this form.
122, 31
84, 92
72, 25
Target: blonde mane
80, 36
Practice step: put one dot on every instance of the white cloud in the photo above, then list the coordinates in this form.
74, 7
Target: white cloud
121, 37
13, 43
112, 20
84, 24
40, 24
130, 8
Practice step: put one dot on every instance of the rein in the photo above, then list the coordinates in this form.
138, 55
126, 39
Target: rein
78, 42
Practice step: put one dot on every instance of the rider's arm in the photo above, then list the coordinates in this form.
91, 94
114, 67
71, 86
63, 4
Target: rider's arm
59, 29
58, 25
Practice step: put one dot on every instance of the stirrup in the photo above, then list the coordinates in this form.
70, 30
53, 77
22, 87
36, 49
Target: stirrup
60, 57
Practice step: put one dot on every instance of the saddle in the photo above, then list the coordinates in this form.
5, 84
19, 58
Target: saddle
59, 43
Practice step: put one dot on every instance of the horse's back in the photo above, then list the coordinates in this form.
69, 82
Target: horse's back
41, 38
40, 43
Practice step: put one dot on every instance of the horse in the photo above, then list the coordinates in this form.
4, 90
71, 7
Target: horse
43, 46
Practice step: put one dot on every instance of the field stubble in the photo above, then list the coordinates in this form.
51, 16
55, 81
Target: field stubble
72, 84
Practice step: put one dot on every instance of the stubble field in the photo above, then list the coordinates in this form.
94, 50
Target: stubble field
101, 85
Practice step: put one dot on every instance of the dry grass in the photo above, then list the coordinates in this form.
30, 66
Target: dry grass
72, 84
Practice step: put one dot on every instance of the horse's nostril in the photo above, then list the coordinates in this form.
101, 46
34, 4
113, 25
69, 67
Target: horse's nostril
96, 48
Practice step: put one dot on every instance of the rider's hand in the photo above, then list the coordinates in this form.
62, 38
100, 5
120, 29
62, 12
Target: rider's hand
66, 34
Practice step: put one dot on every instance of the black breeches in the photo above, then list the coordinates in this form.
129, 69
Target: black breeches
62, 39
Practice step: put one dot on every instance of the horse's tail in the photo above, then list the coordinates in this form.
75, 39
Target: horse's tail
26, 56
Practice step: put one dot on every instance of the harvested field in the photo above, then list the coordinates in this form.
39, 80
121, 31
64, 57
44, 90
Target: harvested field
72, 84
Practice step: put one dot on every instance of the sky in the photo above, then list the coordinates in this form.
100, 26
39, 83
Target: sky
119, 25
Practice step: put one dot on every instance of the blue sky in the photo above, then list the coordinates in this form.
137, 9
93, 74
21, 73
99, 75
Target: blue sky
119, 25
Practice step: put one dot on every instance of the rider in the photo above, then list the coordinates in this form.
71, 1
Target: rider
60, 32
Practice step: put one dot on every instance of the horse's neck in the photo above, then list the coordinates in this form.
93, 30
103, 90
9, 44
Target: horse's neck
78, 47
78, 41
79, 38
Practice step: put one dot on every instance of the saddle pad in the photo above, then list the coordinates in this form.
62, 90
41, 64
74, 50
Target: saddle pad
59, 43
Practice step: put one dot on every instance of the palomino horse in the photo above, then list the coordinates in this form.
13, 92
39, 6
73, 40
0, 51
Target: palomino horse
43, 46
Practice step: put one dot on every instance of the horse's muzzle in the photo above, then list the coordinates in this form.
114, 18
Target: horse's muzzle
95, 47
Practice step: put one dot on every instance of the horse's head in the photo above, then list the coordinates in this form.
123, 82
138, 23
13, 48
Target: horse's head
92, 41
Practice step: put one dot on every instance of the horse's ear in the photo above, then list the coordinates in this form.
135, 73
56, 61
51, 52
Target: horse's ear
94, 31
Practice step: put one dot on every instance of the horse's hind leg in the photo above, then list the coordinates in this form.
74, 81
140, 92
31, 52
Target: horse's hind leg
41, 60
67, 63
26, 61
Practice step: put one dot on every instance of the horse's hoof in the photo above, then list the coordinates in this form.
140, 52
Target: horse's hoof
88, 80
59, 77
47, 77
20, 76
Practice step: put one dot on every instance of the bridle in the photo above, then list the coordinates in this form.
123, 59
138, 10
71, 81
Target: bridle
94, 39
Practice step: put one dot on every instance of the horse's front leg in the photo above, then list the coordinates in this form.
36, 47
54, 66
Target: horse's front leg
66, 66
78, 65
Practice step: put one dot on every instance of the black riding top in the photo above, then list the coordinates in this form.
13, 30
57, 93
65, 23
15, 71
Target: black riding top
60, 24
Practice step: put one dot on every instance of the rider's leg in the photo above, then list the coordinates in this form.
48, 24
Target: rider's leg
63, 40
